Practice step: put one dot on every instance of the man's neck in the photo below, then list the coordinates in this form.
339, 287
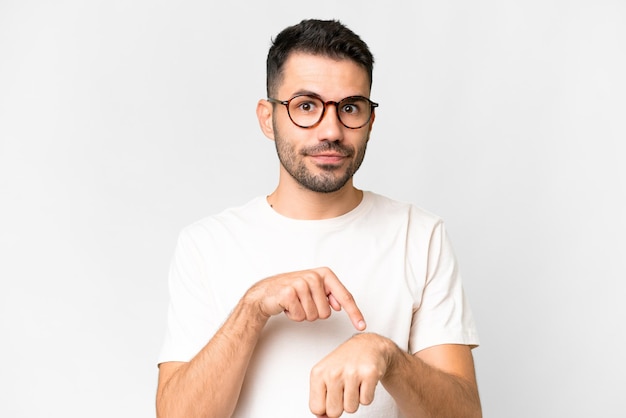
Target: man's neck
301, 203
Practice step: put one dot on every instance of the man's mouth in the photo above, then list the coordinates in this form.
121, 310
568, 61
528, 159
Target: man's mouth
327, 157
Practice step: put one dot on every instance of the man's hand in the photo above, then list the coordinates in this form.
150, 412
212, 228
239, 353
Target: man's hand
347, 377
304, 295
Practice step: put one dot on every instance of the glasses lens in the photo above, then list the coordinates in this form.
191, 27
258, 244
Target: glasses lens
305, 111
354, 112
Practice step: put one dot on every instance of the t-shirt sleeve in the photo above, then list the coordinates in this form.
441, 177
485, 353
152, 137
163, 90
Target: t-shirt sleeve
443, 315
189, 319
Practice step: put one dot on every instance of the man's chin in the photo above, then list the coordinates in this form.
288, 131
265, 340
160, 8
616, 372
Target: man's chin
324, 185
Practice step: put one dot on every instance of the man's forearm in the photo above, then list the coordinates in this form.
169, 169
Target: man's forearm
425, 391
209, 385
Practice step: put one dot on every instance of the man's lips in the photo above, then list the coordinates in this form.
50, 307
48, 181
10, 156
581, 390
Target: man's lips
328, 157
327, 153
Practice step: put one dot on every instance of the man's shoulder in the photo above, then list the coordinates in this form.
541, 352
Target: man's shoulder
227, 218
393, 207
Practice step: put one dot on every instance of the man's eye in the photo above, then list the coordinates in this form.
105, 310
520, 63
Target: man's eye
306, 106
350, 108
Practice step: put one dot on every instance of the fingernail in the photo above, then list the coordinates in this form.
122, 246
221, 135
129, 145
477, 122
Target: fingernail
361, 325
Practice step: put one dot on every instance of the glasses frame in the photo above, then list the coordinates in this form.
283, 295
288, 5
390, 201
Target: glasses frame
373, 105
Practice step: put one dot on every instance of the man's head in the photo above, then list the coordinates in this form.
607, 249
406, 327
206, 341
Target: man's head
318, 111
328, 38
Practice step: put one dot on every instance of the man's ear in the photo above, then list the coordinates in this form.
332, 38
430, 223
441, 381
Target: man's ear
264, 110
372, 120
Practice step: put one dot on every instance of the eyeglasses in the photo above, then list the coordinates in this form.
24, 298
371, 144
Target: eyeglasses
305, 111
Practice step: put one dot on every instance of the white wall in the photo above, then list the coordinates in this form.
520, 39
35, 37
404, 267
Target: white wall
123, 121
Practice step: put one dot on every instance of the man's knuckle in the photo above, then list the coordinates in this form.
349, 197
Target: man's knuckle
312, 316
367, 399
299, 285
324, 314
297, 316
335, 374
316, 372
351, 409
317, 410
289, 292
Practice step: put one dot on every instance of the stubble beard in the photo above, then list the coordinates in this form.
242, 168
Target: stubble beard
331, 178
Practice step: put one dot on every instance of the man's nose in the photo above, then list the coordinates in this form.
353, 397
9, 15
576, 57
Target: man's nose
330, 127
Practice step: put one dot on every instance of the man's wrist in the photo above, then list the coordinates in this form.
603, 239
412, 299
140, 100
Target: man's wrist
393, 355
251, 307
388, 350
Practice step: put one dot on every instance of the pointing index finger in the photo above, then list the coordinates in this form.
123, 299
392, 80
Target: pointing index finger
338, 297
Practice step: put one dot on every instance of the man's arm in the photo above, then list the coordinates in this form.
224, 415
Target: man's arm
209, 385
438, 381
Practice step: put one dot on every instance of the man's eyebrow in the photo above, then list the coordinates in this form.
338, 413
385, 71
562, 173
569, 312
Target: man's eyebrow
306, 93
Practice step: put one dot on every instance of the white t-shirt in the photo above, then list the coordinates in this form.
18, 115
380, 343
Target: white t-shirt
393, 257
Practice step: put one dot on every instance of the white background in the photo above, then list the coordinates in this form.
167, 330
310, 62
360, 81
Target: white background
123, 121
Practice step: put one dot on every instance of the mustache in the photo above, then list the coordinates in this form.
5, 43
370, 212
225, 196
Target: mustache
328, 146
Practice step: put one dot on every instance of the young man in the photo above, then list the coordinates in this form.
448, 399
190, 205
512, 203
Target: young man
252, 289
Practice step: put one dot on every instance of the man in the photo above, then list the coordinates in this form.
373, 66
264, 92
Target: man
252, 289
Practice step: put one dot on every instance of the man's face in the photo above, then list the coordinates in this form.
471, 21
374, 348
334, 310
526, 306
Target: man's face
323, 158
